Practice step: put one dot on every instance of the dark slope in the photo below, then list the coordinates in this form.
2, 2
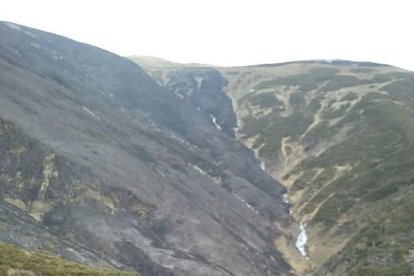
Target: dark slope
103, 166
203, 89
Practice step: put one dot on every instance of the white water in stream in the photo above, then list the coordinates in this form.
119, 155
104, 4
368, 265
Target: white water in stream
262, 163
301, 241
214, 120
302, 238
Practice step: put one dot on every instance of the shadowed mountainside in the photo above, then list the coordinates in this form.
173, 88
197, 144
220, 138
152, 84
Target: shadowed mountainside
101, 165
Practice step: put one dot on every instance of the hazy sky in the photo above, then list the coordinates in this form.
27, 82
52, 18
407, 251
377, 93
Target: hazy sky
227, 32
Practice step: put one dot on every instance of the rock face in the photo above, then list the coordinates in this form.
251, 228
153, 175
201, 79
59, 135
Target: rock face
338, 136
101, 165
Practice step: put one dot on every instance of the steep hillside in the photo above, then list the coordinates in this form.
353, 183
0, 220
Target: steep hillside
339, 136
102, 166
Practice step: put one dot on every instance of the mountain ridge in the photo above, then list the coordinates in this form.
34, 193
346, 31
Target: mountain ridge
157, 62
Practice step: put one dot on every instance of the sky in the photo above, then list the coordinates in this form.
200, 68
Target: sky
230, 33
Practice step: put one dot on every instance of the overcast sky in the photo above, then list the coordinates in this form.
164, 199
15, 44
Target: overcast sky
227, 32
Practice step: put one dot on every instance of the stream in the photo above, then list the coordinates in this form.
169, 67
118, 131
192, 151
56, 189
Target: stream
302, 238
262, 163
301, 241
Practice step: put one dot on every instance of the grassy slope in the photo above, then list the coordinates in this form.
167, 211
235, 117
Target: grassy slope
14, 261
342, 139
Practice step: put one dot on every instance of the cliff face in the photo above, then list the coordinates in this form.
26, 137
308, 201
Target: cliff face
102, 165
338, 136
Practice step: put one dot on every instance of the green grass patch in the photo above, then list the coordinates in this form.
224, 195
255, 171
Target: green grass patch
13, 258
